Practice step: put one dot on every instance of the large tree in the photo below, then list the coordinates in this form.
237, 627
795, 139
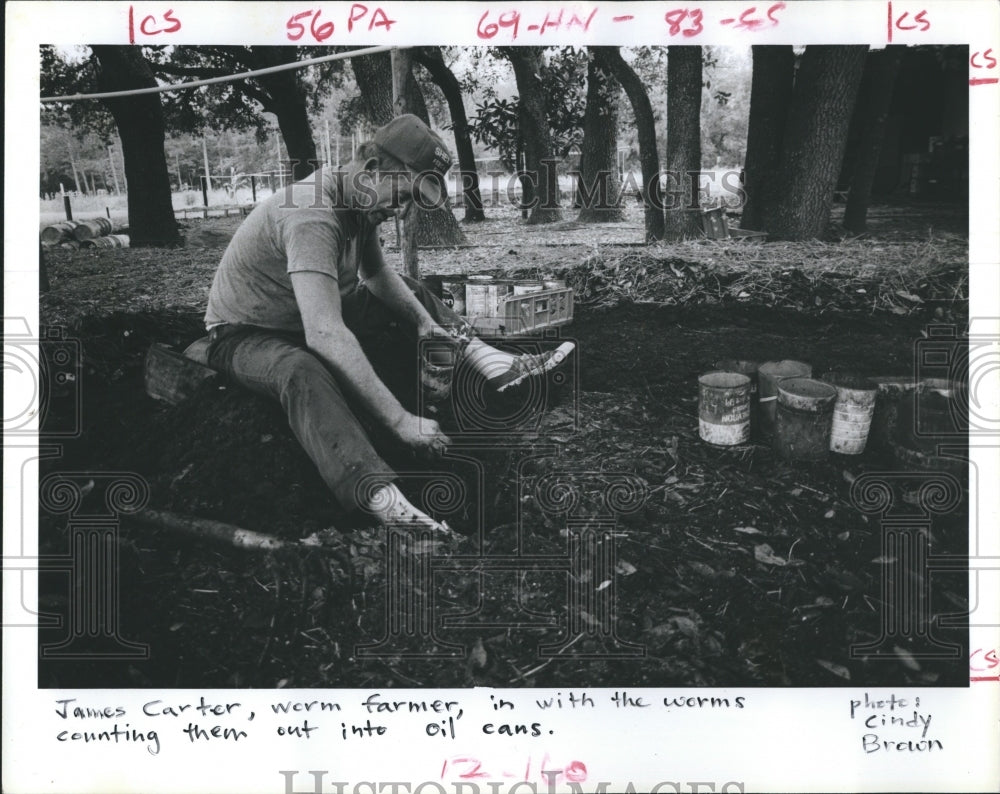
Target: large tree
139, 119
373, 74
798, 192
770, 97
870, 115
540, 183
683, 162
599, 188
649, 157
432, 59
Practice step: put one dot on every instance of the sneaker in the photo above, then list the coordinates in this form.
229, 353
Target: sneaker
529, 365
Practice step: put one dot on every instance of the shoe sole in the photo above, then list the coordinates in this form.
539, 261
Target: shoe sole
560, 355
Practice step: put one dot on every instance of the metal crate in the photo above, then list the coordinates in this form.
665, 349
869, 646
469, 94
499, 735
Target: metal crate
518, 315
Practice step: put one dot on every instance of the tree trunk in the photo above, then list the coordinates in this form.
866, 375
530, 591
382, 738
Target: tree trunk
683, 217
540, 163
599, 190
649, 156
288, 103
872, 111
373, 74
76, 174
814, 141
432, 60
140, 126
770, 97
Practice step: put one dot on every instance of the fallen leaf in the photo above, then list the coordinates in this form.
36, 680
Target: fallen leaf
606, 583
844, 535
909, 296
884, 560
625, 568
830, 513
765, 554
824, 601
477, 656
685, 626
747, 530
702, 568
838, 670
906, 658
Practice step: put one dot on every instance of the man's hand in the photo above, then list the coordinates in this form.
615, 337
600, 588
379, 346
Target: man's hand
423, 436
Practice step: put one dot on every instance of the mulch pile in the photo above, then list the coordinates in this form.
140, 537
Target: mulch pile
862, 276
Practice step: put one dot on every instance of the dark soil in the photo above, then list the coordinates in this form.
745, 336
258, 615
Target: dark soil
713, 566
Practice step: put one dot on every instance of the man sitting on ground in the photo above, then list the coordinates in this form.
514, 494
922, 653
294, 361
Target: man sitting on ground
303, 291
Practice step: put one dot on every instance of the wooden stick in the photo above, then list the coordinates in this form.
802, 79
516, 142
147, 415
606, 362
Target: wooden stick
207, 529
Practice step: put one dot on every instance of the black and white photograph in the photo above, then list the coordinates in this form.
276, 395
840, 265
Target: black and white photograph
373, 372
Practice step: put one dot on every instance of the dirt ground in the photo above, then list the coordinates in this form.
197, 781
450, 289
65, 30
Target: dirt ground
601, 541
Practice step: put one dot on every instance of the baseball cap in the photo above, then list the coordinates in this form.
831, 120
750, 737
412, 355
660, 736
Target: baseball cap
421, 150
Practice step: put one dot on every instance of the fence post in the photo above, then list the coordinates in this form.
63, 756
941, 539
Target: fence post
253, 187
401, 60
66, 204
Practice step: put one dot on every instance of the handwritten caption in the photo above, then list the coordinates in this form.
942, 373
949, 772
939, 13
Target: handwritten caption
159, 721
307, 26
687, 22
894, 724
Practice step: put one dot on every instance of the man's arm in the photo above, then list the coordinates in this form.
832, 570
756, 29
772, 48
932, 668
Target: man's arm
318, 298
386, 285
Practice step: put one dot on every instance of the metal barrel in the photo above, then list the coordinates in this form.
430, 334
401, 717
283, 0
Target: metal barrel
57, 232
748, 368
852, 413
724, 408
803, 418
95, 227
768, 376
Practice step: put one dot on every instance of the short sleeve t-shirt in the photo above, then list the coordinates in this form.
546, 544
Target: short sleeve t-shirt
306, 227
